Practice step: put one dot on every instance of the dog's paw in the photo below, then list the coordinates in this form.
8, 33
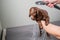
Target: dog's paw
47, 22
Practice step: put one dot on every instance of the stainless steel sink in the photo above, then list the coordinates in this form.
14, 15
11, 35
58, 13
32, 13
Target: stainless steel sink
28, 32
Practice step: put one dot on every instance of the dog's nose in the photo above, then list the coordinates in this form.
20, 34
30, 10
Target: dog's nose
32, 18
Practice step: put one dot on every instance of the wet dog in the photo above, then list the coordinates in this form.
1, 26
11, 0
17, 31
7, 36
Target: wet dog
37, 15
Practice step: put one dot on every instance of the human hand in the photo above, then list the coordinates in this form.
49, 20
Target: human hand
52, 29
52, 2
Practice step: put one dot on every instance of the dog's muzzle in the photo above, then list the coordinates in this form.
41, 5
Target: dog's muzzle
32, 18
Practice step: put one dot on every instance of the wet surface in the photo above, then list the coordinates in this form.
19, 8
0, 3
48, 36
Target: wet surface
29, 32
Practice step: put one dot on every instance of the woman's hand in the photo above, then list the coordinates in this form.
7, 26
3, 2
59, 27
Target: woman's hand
52, 2
52, 29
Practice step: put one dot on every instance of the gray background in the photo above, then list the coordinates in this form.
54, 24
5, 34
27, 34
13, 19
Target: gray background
15, 12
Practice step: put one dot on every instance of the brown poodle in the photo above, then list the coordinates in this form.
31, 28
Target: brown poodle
38, 14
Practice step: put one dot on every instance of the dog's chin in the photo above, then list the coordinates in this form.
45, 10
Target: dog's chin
32, 19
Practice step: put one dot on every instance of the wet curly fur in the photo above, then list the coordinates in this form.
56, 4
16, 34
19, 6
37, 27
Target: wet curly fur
37, 15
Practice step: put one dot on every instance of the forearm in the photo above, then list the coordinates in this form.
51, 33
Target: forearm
52, 29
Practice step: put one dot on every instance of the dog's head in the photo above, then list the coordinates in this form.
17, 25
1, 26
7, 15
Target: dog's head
34, 13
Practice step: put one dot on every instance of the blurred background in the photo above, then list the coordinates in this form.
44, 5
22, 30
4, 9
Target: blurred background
14, 13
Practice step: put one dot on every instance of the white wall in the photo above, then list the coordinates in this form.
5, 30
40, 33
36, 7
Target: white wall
0, 28
0, 20
15, 12
0, 25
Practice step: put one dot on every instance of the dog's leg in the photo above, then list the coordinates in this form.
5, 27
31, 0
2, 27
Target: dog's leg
40, 27
47, 21
40, 31
47, 34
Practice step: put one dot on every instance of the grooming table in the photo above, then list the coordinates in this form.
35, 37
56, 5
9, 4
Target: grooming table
28, 32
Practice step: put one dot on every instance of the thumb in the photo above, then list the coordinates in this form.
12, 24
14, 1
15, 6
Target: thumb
43, 23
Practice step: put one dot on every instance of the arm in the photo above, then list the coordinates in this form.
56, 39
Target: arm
52, 29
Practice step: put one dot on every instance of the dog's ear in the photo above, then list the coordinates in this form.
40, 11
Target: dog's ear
29, 12
29, 15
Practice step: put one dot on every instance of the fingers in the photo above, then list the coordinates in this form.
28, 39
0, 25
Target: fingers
51, 3
43, 23
40, 25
